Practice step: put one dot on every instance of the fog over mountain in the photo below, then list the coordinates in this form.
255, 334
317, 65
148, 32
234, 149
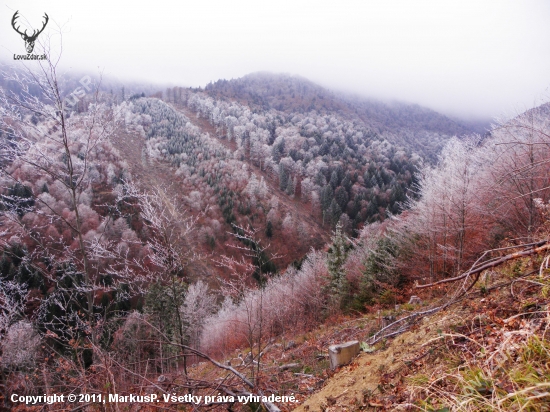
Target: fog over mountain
218, 198
467, 59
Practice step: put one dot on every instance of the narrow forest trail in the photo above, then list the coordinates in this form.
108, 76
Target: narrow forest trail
150, 174
146, 172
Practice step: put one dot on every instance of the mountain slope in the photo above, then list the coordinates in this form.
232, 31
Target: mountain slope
409, 125
340, 167
488, 350
165, 148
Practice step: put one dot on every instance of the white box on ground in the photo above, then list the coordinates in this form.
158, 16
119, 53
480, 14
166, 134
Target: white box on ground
343, 353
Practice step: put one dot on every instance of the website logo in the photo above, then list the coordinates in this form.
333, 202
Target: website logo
29, 39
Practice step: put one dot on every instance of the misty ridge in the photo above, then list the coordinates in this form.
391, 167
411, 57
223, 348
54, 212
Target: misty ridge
172, 238
287, 93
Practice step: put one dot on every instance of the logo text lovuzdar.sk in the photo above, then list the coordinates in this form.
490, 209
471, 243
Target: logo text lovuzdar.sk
29, 39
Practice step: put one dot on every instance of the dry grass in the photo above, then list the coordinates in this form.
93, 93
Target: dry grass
495, 364
511, 376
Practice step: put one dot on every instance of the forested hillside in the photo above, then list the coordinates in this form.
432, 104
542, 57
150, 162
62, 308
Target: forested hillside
142, 237
351, 161
417, 128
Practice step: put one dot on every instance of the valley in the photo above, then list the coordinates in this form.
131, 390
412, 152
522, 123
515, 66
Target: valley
218, 240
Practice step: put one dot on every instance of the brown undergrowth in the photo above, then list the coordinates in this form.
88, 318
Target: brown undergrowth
487, 352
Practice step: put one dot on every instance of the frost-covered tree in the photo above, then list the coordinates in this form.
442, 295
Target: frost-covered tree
319, 150
20, 346
518, 158
337, 288
449, 211
198, 305
66, 154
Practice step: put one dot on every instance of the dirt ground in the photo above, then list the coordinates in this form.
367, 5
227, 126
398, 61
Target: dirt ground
355, 386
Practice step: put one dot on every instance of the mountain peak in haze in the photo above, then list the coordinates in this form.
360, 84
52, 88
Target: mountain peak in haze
409, 125
289, 94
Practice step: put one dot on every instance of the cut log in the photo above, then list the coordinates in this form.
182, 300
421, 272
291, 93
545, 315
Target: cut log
289, 366
343, 353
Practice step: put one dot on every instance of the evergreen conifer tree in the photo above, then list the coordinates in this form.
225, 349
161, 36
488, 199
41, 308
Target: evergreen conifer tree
336, 257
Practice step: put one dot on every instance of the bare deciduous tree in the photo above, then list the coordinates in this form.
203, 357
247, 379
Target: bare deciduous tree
53, 161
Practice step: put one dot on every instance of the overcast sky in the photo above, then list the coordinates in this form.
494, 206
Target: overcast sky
467, 58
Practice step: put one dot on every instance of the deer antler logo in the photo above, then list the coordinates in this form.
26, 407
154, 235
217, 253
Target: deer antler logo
29, 40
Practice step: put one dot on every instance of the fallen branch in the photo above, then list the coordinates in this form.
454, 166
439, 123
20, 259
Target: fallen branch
406, 322
304, 375
271, 407
289, 366
533, 250
412, 318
